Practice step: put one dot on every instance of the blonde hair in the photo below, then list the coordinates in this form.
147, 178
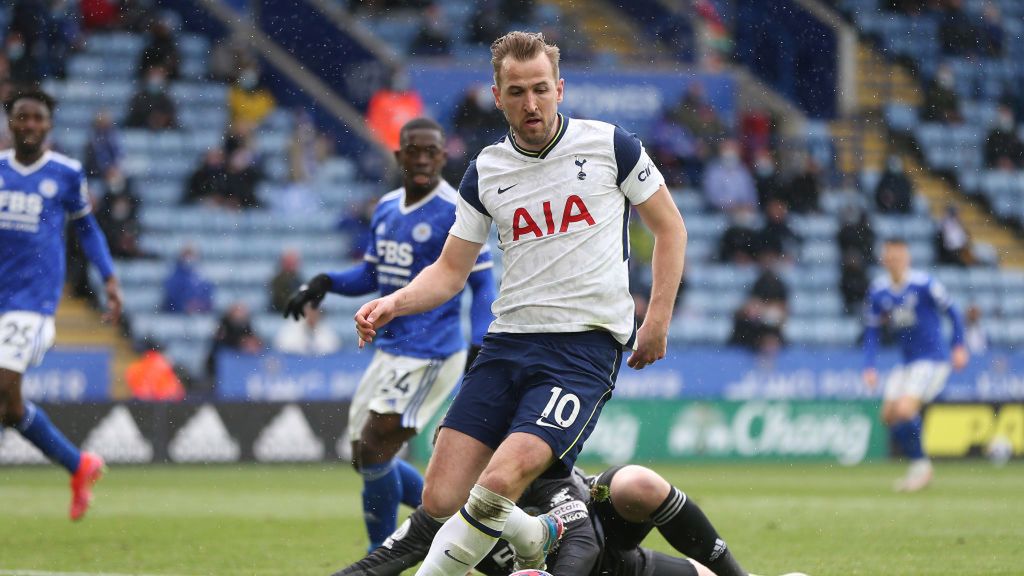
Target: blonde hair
522, 46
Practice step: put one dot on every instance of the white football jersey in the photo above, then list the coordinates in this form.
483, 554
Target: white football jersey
562, 216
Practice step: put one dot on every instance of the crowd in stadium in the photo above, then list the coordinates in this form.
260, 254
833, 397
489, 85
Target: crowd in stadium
738, 165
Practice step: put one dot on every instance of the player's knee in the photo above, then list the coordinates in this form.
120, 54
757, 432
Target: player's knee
906, 409
509, 481
11, 408
439, 502
636, 492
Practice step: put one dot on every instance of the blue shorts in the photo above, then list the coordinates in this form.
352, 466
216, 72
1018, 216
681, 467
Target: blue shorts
550, 385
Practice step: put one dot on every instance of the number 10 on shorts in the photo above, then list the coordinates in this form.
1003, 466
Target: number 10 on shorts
565, 408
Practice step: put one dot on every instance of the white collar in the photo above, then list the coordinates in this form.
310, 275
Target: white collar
26, 170
430, 196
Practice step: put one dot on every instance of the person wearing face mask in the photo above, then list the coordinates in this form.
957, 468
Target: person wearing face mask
894, 193
728, 185
1003, 148
941, 102
103, 151
248, 100
185, 290
766, 178
151, 107
24, 68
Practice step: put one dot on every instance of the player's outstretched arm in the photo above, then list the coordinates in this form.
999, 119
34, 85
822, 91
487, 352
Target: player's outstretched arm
96, 250
433, 286
357, 280
661, 216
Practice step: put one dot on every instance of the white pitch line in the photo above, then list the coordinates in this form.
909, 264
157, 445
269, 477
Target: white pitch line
45, 573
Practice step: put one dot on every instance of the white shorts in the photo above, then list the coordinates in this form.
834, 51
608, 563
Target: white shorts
412, 387
923, 380
24, 339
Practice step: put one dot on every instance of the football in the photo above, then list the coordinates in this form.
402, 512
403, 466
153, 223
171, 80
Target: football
530, 573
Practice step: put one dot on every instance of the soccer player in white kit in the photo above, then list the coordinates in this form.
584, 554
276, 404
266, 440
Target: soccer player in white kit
559, 191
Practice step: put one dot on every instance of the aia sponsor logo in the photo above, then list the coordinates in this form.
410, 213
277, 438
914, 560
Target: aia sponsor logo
574, 211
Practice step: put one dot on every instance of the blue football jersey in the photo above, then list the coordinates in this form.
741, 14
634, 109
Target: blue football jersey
404, 241
913, 312
35, 202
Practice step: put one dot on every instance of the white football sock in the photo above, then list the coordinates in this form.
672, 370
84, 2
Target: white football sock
524, 532
468, 535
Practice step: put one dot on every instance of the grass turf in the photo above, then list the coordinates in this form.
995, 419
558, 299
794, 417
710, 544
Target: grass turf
264, 520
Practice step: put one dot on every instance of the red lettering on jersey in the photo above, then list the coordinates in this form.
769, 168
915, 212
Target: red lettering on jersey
582, 216
549, 219
522, 223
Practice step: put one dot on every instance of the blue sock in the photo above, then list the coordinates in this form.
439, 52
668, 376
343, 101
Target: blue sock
907, 435
382, 491
412, 483
36, 428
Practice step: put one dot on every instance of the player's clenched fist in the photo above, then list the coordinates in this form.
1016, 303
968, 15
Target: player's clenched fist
651, 345
373, 315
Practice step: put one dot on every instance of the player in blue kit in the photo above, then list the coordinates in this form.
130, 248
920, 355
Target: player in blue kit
911, 304
39, 191
419, 358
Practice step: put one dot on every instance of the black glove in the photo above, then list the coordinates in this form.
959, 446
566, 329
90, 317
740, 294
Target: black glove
312, 293
471, 355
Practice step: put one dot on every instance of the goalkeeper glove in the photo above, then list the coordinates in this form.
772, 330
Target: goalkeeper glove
312, 293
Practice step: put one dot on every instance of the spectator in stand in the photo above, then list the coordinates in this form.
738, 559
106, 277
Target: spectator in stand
853, 282
958, 35
698, 116
100, 15
6, 91
151, 378
234, 334
975, 336
805, 187
856, 234
151, 108
103, 150
208, 184
758, 324
185, 290
739, 243
310, 336
767, 180
678, 154
487, 23
50, 31
249, 100
894, 193
941, 102
118, 214
25, 71
308, 151
162, 50
476, 123
991, 31
953, 240
286, 281
776, 241
434, 38
228, 57
391, 107
728, 186
1003, 148
244, 175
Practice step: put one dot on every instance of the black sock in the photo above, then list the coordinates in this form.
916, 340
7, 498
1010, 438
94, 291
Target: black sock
402, 550
689, 531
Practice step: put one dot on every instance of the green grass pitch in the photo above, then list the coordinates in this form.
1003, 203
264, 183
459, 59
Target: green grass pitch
267, 520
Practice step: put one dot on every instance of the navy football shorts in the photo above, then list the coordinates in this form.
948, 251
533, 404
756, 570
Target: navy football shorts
550, 385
